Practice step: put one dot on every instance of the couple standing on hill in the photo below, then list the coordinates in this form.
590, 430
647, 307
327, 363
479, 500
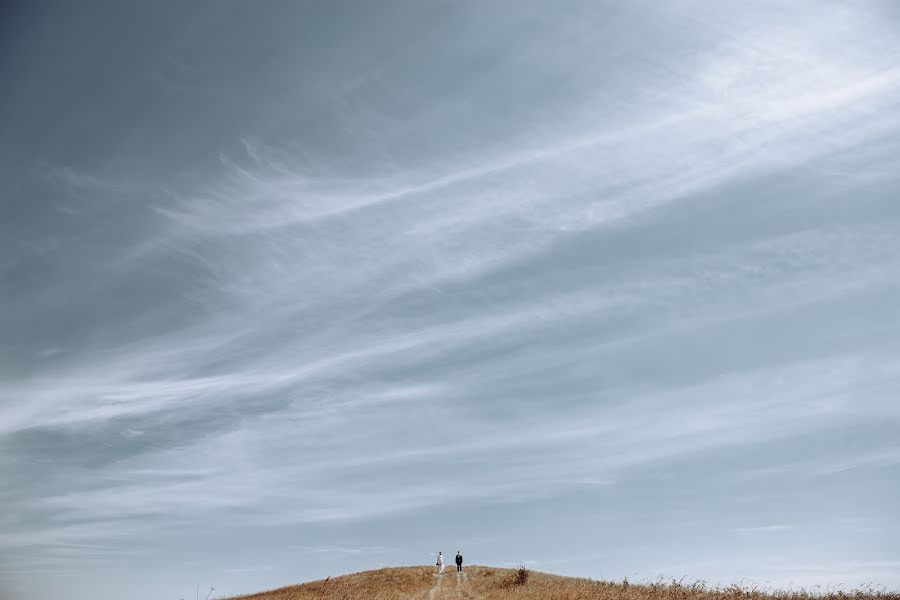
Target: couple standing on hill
440, 562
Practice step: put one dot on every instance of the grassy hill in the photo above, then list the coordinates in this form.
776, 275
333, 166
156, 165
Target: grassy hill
489, 583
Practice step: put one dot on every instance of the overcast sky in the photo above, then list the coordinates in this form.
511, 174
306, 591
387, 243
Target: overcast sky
294, 289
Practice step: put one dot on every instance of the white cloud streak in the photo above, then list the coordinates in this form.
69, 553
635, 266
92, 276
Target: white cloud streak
688, 259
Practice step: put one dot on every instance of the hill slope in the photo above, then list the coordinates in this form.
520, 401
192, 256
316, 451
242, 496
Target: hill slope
489, 583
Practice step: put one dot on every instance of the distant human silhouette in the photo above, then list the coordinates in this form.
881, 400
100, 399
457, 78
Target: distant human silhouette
458, 561
440, 563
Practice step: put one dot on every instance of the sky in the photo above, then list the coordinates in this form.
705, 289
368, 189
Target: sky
297, 289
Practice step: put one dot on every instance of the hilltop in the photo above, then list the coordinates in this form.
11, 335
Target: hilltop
491, 583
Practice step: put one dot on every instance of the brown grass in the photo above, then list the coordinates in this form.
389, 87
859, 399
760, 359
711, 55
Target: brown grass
488, 583
398, 583
501, 584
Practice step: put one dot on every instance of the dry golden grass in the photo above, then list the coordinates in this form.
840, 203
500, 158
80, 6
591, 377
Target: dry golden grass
399, 583
499, 584
488, 583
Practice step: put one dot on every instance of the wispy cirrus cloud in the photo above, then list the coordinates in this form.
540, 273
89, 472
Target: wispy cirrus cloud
505, 263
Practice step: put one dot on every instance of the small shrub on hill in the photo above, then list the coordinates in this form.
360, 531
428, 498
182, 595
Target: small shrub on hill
514, 578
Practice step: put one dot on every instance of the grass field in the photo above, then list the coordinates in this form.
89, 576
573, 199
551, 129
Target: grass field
489, 583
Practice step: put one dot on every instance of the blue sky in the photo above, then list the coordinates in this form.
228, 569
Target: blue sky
294, 289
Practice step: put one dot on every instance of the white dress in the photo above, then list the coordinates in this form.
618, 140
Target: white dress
440, 563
